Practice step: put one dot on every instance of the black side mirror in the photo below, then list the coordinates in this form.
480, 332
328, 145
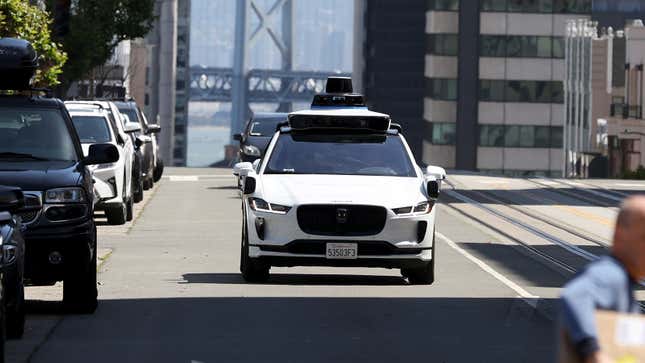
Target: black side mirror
249, 185
141, 140
153, 129
433, 189
11, 199
237, 137
102, 154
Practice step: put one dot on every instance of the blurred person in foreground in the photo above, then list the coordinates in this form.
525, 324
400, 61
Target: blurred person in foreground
607, 283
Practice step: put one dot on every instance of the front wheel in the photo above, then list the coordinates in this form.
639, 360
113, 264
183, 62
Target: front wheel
420, 276
252, 269
116, 215
80, 293
423, 275
137, 191
16, 316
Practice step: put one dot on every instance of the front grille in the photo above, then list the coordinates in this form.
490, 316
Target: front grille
28, 217
33, 205
318, 247
341, 220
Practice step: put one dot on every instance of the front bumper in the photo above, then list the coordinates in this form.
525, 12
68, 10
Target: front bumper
398, 245
107, 183
75, 243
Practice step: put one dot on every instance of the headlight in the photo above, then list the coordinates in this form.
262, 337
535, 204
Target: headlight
421, 208
250, 150
262, 205
65, 195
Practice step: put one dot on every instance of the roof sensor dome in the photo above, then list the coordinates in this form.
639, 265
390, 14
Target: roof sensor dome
339, 85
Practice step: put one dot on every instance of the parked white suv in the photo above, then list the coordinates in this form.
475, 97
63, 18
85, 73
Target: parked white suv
112, 185
122, 139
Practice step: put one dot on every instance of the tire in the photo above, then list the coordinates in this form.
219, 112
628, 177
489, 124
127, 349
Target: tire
137, 192
116, 215
147, 184
423, 275
15, 319
80, 293
158, 173
3, 331
129, 209
252, 270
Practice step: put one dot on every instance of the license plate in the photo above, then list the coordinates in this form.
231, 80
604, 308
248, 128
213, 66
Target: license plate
345, 251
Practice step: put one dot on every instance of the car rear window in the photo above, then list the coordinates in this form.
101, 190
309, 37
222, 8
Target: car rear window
92, 129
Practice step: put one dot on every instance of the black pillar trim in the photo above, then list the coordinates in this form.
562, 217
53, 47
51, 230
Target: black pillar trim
468, 87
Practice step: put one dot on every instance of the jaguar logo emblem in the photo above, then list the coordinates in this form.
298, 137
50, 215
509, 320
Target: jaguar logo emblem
341, 215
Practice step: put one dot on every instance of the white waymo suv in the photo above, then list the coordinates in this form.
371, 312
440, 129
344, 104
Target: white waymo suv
338, 186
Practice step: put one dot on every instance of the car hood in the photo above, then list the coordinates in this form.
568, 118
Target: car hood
390, 192
39, 176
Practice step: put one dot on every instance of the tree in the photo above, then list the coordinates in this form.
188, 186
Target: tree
19, 19
95, 28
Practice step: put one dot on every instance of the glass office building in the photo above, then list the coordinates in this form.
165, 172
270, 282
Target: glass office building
494, 93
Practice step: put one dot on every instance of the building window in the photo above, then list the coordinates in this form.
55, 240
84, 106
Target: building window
521, 91
572, 6
520, 136
521, 46
443, 44
493, 5
538, 6
443, 5
441, 89
443, 133
491, 135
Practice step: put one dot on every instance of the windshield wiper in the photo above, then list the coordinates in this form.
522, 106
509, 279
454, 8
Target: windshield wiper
13, 155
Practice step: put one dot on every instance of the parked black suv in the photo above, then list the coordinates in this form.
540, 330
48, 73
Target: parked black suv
41, 153
257, 134
12, 261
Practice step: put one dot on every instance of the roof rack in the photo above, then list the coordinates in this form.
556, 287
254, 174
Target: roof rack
31, 92
85, 103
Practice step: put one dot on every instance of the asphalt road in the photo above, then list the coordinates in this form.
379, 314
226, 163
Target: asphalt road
170, 290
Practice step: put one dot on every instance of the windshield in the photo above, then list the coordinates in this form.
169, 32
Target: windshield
264, 128
378, 155
91, 129
36, 134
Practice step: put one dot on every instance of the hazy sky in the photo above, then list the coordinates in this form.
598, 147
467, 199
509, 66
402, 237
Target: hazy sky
323, 35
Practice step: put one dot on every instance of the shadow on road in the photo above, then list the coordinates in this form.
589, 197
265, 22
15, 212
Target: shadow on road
295, 279
537, 196
543, 274
226, 187
287, 329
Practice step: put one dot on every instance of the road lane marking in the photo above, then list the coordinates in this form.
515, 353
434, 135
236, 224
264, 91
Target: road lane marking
193, 178
629, 185
183, 178
526, 296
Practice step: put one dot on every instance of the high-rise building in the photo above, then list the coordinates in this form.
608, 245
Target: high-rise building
182, 84
168, 78
388, 65
494, 90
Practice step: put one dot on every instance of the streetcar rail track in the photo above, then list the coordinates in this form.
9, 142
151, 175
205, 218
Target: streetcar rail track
588, 256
